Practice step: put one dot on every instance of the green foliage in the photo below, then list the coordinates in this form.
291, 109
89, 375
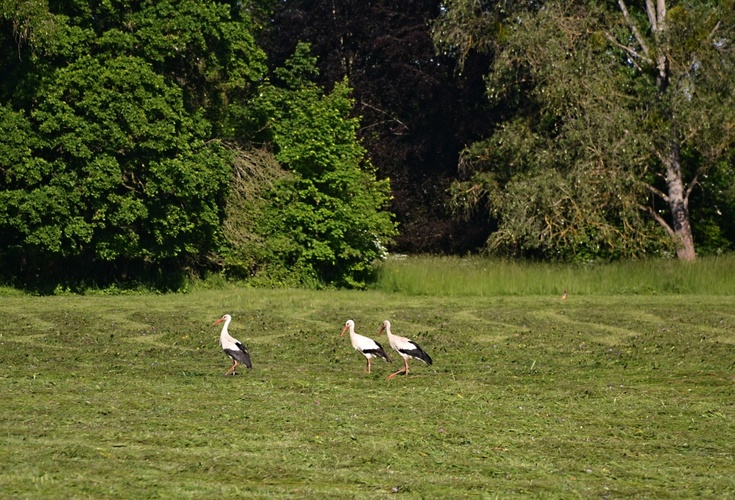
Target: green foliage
713, 203
465, 26
109, 155
324, 223
245, 256
207, 48
558, 178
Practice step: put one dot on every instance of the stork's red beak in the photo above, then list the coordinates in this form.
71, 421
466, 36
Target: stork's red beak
382, 327
344, 330
218, 321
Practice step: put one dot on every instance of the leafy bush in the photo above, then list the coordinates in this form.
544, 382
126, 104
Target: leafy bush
323, 223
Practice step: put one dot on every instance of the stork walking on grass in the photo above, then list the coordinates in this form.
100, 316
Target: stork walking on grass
368, 347
232, 347
405, 347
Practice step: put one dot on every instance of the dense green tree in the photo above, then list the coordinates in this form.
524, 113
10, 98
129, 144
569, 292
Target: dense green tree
109, 161
206, 48
114, 169
616, 112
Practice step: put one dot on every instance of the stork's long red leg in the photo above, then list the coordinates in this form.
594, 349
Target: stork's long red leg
404, 370
368, 365
232, 368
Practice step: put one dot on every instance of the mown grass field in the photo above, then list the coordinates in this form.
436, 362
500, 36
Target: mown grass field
597, 396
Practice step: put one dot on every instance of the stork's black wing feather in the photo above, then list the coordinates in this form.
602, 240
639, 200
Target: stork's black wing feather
378, 352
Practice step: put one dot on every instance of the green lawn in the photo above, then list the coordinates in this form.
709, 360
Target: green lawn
592, 397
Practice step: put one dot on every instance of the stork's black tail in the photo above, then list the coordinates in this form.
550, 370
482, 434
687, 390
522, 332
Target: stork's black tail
242, 355
418, 353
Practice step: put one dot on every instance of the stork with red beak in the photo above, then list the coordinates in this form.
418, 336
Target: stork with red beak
232, 347
405, 347
368, 347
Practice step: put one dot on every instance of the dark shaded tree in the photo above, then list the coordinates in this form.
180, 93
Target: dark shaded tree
417, 109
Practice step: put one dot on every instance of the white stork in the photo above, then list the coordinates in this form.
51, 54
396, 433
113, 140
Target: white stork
368, 347
405, 347
232, 347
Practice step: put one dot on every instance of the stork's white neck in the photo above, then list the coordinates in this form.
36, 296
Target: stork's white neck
354, 338
386, 327
225, 333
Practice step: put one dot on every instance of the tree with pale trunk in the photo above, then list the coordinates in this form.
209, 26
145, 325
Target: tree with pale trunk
613, 113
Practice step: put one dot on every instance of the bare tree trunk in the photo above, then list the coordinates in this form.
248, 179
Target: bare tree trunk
676, 195
679, 205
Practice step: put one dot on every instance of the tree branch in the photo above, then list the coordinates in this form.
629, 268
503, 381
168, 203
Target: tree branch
390, 119
661, 14
633, 27
691, 186
657, 192
634, 55
651, 15
660, 220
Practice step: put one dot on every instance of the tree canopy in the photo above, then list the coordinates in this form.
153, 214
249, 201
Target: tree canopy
111, 169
